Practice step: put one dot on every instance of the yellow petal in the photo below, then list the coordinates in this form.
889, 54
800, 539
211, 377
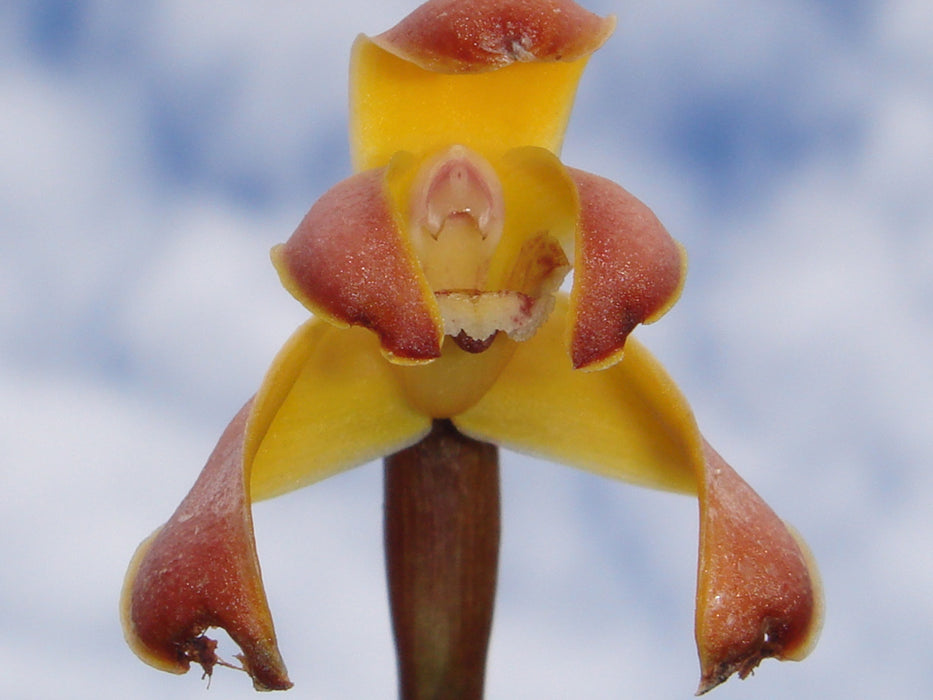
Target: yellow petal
396, 105
628, 422
328, 403
758, 591
487, 75
540, 200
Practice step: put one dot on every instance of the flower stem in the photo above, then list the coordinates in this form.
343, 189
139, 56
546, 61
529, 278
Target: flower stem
442, 551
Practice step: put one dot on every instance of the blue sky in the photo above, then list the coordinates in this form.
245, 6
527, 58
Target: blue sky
150, 155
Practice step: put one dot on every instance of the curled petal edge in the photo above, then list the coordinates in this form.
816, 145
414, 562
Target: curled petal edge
349, 262
491, 74
200, 570
628, 270
468, 36
758, 589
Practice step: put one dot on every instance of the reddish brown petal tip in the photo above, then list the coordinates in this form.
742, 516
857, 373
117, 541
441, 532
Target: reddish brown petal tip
758, 590
349, 261
469, 36
200, 570
628, 270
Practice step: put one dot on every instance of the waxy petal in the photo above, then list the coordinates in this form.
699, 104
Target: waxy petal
541, 202
470, 36
200, 570
758, 590
628, 270
628, 422
488, 74
329, 402
350, 262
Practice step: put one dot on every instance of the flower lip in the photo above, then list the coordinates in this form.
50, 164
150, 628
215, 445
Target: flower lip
472, 345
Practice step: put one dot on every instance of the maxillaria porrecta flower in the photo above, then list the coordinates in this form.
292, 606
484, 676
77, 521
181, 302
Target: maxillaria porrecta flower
434, 277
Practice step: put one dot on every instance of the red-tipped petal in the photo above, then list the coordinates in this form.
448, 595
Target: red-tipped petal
200, 570
470, 36
758, 592
628, 270
349, 261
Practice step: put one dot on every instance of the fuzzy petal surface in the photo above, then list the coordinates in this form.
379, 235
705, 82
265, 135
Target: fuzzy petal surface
758, 588
628, 270
350, 262
471, 36
200, 570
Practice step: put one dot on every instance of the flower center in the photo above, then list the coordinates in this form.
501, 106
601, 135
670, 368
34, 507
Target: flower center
457, 214
457, 218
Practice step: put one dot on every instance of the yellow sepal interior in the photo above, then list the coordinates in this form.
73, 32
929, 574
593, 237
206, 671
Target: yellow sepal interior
628, 422
539, 198
397, 106
328, 403
454, 381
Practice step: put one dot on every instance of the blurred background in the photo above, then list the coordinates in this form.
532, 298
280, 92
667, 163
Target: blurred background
152, 152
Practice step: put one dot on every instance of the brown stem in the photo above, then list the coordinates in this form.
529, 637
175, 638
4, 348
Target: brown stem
442, 551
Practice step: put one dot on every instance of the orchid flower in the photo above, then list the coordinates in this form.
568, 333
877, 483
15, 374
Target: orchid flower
434, 277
